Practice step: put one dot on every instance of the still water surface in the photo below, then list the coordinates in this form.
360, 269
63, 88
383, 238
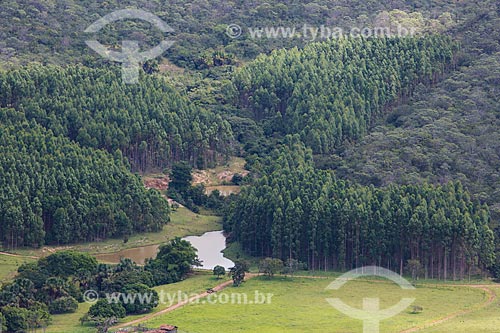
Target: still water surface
209, 247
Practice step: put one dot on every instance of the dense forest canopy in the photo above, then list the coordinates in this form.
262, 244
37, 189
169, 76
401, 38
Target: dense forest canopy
54, 191
150, 123
55, 284
452, 133
390, 117
331, 92
297, 212
52, 31
447, 131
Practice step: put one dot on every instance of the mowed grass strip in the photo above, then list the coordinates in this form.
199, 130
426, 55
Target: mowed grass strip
9, 265
299, 305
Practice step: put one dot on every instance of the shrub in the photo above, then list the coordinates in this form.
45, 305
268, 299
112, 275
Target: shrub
416, 309
105, 309
63, 305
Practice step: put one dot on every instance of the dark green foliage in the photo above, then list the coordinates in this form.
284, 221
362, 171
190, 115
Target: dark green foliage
33, 272
215, 201
63, 305
39, 315
105, 309
51, 32
141, 298
295, 211
16, 319
173, 262
180, 177
19, 293
449, 132
3, 323
122, 278
78, 194
446, 132
66, 263
181, 191
54, 287
219, 271
330, 92
149, 122
239, 271
237, 179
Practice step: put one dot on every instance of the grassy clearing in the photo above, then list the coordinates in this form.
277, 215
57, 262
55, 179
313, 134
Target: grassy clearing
299, 305
197, 283
183, 223
484, 321
9, 265
70, 322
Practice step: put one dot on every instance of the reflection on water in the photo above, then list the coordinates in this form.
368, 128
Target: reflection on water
209, 247
137, 254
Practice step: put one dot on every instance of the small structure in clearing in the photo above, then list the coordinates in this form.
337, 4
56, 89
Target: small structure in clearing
164, 329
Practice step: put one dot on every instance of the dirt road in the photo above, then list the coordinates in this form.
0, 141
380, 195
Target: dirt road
178, 305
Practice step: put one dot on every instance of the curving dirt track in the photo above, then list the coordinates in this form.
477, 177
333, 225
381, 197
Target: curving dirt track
491, 298
17, 255
486, 288
178, 305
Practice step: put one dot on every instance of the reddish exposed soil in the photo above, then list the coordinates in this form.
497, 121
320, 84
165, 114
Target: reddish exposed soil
161, 184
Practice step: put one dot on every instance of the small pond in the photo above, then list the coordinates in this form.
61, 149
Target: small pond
209, 245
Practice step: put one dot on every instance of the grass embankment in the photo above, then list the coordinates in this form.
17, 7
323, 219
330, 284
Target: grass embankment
70, 322
234, 252
196, 284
